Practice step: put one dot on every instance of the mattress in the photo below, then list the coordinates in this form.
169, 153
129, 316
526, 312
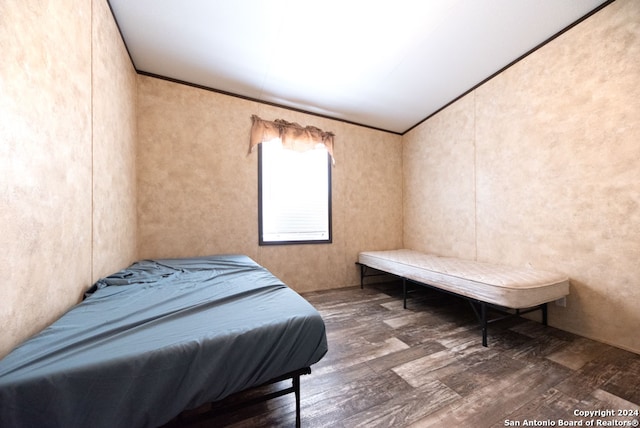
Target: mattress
157, 338
501, 285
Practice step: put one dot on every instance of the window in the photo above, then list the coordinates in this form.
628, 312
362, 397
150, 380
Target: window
294, 194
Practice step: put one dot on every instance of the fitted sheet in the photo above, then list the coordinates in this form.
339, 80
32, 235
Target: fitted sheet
157, 338
505, 286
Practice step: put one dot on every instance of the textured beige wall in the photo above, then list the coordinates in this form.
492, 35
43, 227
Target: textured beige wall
439, 183
114, 147
197, 186
45, 109
555, 146
46, 157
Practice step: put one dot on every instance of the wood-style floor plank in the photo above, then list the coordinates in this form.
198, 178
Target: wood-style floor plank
425, 366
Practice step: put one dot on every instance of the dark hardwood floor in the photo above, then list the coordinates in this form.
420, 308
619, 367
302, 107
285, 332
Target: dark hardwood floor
425, 366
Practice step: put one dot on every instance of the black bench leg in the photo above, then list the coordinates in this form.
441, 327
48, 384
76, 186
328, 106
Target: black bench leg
544, 314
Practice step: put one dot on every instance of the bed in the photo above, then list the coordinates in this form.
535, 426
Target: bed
509, 290
158, 338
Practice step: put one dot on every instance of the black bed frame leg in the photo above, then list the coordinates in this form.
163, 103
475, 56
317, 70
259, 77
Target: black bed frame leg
483, 314
296, 388
362, 268
404, 292
484, 321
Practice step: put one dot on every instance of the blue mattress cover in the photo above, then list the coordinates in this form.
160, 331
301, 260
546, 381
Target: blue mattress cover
157, 338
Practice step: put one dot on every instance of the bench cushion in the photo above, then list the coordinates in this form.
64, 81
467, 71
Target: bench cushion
501, 285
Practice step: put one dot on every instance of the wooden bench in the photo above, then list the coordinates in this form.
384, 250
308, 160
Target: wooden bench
508, 290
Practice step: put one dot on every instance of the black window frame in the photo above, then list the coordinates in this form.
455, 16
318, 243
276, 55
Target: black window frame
329, 240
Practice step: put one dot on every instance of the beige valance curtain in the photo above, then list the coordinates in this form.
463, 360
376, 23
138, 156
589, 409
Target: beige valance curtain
292, 135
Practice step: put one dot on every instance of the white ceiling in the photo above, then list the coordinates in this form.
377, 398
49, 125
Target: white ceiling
386, 64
